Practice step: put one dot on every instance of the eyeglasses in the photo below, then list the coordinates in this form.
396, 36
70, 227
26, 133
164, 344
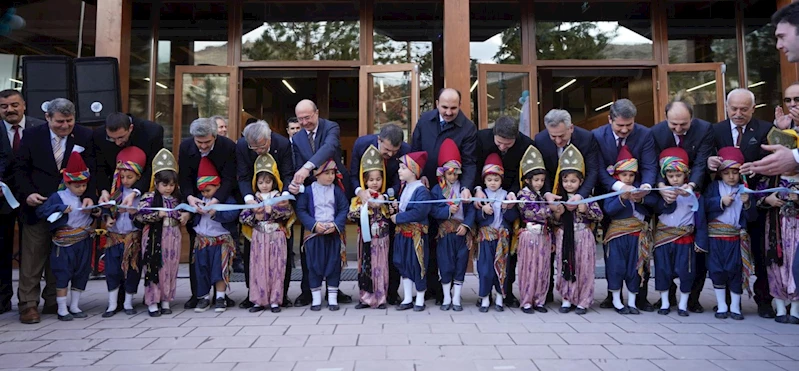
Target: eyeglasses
789, 99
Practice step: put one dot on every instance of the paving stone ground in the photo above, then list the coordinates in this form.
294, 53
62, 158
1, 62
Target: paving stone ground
384, 340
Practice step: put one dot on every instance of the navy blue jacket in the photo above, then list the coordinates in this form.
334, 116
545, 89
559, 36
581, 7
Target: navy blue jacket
327, 143
391, 178
754, 135
697, 142
508, 217
428, 136
714, 208
279, 148
641, 145
223, 156
585, 142
510, 161
7, 159
616, 208
416, 213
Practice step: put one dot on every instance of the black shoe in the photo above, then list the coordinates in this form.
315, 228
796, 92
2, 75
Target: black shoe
50, 309
664, 312
659, 303
202, 305
457, 308
428, 295
405, 306
721, 315
439, 301
130, 312
478, 303
220, 305
419, 308
682, 313
344, 298
624, 310
565, 309
446, 307
381, 306
765, 311
191, 304
316, 308
550, 297
79, 314
793, 320
229, 303
393, 300
302, 300
361, 306
286, 303
255, 309
782, 319
527, 310
483, 309
238, 266
512, 302
275, 309
166, 311
634, 310
109, 314
68, 317
499, 308
246, 303
333, 308
541, 309
737, 316
580, 311
5, 307
154, 314
643, 304
607, 303
696, 308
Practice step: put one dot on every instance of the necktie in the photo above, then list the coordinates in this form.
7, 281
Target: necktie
560, 151
58, 151
619, 144
740, 136
442, 124
680, 139
311, 141
17, 138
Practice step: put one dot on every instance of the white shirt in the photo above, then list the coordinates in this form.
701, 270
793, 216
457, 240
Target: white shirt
209, 227
324, 198
204, 154
10, 130
618, 185
75, 219
734, 129
682, 215
732, 213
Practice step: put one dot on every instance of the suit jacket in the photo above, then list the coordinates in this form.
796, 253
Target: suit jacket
7, 159
697, 142
585, 142
510, 161
428, 136
327, 143
35, 170
279, 148
146, 135
641, 145
223, 156
754, 135
391, 177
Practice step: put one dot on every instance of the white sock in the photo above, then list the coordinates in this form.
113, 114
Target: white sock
795, 308
164, 305
316, 296
528, 306
456, 296
62, 305
721, 301
780, 304
566, 304
485, 302
274, 305
332, 296
664, 300
617, 299
73, 301
128, 301
419, 298
735, 303
220, 295
499, 299
683, 305
631, 299
112, 300
407, 290
447, 293
152, 308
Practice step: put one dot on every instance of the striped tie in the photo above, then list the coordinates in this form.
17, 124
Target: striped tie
58, 151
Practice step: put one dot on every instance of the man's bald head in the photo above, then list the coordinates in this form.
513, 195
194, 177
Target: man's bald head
679, 115
307, 114
448, 104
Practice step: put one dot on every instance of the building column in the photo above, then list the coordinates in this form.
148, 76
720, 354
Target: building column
789, 71
113, 38
456, 50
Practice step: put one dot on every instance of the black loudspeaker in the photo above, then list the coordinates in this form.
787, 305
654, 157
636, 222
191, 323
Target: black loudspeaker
97, 90
45, 78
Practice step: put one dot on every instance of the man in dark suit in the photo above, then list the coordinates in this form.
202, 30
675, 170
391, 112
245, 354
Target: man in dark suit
622, 130
747, 133
12, 113
695, 136
43, 153
258, 139
558, 134
446, 121
318, 141
205, 142
505, 140
389, 143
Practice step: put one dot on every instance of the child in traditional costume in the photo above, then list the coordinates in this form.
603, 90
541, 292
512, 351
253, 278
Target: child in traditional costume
680, 234
267, 228
729, 258
628, 238
495, 221
161, 235
71, 255
411, 251
575, 244
322, 210
534, 244
455, 222
373, 255
214, 246
123, 247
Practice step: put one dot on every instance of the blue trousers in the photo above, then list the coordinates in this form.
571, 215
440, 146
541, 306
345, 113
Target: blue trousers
453, 257
407, 262
725, 265
672, 261
323, 256
114, 275
208, 268
622, 264
486, 274
72, 264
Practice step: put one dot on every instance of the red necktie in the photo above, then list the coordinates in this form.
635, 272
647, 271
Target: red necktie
17, 138
680, 139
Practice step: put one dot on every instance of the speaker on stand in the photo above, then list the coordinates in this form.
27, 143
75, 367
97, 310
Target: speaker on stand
97, 90
45, 78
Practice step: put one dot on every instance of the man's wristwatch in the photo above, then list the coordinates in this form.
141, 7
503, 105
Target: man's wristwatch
309, 166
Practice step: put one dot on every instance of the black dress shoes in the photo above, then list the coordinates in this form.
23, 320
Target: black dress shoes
765, 311
302, 300
190, 304
405, 306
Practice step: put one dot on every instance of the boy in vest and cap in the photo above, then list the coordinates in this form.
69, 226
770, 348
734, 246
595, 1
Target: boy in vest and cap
214, 245
411, 251
73, 233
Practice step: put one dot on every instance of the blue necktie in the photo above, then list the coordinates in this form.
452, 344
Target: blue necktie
442, 124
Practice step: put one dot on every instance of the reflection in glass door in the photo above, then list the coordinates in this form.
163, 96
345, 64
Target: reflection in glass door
204, 91
504, 90
701, 84
389, 94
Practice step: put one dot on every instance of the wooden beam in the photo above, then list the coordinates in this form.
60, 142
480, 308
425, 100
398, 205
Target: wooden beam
456, 47
788, 71
113, 39
323, 93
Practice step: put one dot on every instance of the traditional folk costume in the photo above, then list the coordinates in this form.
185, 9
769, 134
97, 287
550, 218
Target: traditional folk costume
782, 235
452, 251
494, 239
373, 255
729, 259
325, 253
533, 238
679, 232
71, 255
214, 246
267, 234
629, 238
575, 244
123, 246
411, 251
161, 240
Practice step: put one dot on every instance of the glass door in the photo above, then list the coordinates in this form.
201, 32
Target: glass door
507, 90
389, 94
702, 84
204, 91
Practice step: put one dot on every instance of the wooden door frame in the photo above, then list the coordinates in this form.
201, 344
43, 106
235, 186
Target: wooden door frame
532, 87
663, 81
233, 99
365, 92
